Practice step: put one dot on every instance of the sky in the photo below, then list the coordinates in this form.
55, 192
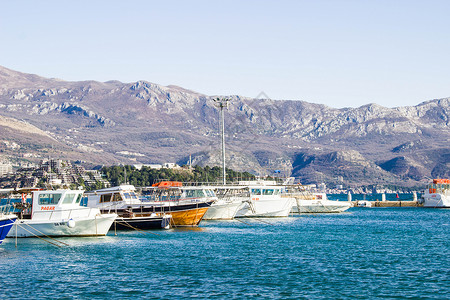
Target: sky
333, 52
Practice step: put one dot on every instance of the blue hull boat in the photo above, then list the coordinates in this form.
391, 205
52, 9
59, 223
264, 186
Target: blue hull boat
6, 222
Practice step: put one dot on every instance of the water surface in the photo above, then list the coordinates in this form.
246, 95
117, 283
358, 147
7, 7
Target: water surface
363, 253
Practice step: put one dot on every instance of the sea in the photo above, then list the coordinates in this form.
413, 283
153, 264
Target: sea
363, 253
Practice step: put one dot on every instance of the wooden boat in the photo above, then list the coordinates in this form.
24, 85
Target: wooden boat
186, 204
131, 212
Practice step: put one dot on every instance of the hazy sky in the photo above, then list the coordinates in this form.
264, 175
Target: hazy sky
338, 53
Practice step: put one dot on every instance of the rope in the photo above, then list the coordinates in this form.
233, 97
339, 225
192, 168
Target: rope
237, 219
43, 238
262, 221
45, 234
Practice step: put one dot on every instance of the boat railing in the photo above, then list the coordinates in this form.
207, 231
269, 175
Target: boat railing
6, 209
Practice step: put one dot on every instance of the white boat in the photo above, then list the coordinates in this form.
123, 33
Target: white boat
318, 203
131, 210
229, 201
363, 203
59, 213
437, 195
265, 201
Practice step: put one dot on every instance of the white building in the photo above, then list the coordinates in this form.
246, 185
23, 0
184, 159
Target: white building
5, 169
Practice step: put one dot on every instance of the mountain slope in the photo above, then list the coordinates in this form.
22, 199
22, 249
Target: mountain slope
115, 122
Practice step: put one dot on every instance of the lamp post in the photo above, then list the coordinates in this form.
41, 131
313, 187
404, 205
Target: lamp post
222, 103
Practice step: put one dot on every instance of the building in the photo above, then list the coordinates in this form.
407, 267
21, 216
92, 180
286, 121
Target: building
5, 169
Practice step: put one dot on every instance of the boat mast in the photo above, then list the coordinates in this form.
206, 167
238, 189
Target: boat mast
222, 103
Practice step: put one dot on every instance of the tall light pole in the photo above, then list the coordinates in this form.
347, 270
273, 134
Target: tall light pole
222, 103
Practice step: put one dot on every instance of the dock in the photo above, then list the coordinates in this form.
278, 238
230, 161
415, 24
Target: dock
378, 203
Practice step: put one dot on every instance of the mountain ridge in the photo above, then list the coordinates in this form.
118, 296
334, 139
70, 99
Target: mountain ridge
169, 123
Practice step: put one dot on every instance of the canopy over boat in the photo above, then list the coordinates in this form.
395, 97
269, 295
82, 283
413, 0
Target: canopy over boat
167, 184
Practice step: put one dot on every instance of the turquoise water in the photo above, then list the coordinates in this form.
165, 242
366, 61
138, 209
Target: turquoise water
365, 253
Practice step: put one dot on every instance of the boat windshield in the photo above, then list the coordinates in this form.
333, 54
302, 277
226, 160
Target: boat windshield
130, 195
45, 199
256, 191
68, 199
194, 193
210, 193
267, 191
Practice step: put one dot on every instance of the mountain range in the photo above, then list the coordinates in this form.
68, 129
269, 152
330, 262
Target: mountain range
141, 122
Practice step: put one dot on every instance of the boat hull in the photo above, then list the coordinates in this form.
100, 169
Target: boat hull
436, 201
222, 211
142, 222
6, 223
97, 226
278, 207
189, 217
320, 206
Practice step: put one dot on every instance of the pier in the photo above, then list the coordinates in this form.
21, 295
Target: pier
378, 203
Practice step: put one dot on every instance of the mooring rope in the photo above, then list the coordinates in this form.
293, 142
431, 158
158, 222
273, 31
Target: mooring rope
35, 235
237, 219
45, 234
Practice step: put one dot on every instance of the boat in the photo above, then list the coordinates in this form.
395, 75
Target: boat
186, 204
7, 220
230, 200
130, 211
364, 203
265, 200
437, 194
318, 203
59, 213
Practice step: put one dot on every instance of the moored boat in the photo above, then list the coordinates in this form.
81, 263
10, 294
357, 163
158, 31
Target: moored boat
6, 221
59, 213
230, 200
131, 212
318, 203
265, 201
437, 194
186, 204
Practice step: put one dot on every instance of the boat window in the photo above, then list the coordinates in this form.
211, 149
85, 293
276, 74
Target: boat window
117, 197
105, 198
194, 194
68, 199
210, 193
79, 198
276, 192
45, 199
267, 192
256, 191
130, 195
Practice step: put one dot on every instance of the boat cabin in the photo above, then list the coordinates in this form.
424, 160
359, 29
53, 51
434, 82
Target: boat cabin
265, 192
439, 186
114, 197
54, 202
179, 194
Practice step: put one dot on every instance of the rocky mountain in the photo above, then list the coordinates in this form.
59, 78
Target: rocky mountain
114, 122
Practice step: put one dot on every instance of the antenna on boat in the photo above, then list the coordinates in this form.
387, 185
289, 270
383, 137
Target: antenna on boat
222, 103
